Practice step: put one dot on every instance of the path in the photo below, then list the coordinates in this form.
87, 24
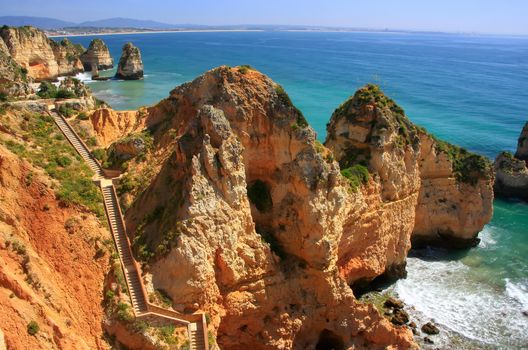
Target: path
196, 323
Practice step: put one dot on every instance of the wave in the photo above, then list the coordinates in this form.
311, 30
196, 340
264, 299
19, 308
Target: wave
85, 77
453, 296
518, 291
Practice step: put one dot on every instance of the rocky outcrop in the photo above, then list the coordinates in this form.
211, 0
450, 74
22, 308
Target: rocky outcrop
14, 81
68, 55
511, 172
522, 144
41, 57
242, 218
110, 125
420, 187
456, 195
243, 214
97, 55
32, 50
130, 64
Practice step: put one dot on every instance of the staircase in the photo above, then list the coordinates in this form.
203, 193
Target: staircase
196, 323
79, 146
197, 336
135, 288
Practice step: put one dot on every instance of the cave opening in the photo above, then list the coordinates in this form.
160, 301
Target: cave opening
328, 340
259, 194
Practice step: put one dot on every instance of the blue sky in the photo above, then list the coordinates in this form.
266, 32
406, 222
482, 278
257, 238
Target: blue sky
482, 16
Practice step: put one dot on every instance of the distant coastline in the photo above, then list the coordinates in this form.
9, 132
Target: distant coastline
57, 35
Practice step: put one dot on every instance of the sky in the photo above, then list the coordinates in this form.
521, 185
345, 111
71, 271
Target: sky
469, 16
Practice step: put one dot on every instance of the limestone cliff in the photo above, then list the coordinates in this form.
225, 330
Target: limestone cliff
237, 210
511, 172
241, 215
421, 187
68, 55
130, 64
13, 77
32, 50
97, 55
41, 57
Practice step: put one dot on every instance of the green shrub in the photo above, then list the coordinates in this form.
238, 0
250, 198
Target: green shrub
63, 93
66, 111
259, 194
82, 116
33, 328
63, 161
244, 68
468, 167
124, 313
356, 175
47, 90
3, 97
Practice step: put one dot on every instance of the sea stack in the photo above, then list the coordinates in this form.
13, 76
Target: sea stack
130, 65
522, 144
511, 172
97, 54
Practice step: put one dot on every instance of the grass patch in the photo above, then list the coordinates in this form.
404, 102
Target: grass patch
467, 167
245, 68
33, 328
51, 152
356, 175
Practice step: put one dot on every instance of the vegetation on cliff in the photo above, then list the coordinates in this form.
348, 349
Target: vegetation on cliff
40, 142
467, 167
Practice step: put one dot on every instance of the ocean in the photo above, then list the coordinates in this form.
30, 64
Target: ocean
469, 90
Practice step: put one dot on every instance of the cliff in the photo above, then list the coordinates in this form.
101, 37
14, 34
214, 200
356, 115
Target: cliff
68, 57
42, 58
511, 172
13, 77
130, 64
54, 259
97, 55
245, 215
32, 50
429, 190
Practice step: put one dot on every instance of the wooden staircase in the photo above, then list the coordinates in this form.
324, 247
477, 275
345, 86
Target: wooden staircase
196, 323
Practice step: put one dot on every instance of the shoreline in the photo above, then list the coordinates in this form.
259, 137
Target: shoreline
158, 32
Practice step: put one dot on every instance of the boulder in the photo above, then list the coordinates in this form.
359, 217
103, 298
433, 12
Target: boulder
98, 55
430, 328
393, 303
130, 65
511, 171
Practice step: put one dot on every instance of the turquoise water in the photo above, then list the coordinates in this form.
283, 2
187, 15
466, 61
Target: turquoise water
470, 90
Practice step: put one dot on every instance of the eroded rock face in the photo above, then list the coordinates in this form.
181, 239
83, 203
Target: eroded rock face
263, 265
130, 64
511, 177
416, 190
13, 77
453, 204
522, 144
511, 172
110, 125
97, 55
32, 50
246, 216
68, 55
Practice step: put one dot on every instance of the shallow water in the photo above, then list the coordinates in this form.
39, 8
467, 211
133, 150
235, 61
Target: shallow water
470, 90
